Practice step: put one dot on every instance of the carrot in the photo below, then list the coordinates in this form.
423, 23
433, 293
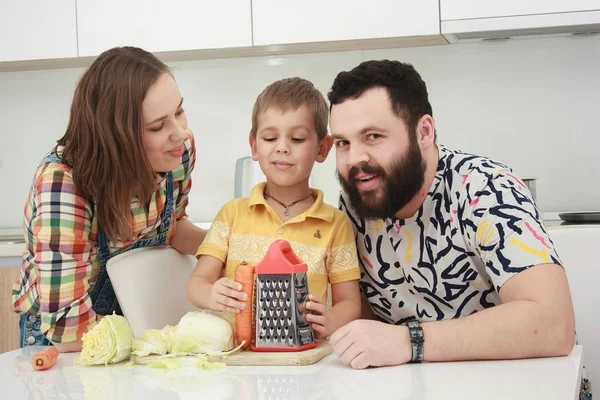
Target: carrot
244, 325
45, 359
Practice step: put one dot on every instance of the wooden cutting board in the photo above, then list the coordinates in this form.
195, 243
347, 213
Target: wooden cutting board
305, 357
239, 358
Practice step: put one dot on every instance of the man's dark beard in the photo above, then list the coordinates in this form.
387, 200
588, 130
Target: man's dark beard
406, 177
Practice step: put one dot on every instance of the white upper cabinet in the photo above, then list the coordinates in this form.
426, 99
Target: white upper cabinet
472, 20
158, 25
37, 29
309, 21
467, 9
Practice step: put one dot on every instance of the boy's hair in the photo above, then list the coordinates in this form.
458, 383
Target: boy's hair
407, 91
292, 93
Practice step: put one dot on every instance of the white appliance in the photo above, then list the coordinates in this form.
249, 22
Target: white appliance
248, 174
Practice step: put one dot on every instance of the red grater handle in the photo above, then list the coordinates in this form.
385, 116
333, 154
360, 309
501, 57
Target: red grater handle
280, 259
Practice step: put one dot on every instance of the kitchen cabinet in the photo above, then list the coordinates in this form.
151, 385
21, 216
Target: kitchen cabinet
37, 29
65, 33
472, 20
160, 26
468, 9
9, 320
309, 21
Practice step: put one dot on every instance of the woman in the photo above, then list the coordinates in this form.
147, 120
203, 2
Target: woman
117, 180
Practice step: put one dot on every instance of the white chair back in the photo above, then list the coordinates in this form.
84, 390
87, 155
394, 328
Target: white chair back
576, 246
150, 284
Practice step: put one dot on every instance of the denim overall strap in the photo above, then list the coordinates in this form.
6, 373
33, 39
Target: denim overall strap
52, 157
102, 293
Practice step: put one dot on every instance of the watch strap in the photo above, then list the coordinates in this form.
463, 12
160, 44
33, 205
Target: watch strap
416, 339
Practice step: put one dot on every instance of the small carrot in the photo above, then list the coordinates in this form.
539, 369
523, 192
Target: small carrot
45, 359
244, 325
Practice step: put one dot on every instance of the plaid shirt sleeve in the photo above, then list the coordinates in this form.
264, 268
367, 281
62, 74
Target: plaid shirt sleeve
62, 230
185, 185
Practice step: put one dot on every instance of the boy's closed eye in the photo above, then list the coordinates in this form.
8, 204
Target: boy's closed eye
340, 143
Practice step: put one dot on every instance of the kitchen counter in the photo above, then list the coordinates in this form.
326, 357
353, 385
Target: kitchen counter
12, 245
548, 379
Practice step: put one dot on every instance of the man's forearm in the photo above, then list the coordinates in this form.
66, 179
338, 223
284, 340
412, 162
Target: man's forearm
188, 237
518, 329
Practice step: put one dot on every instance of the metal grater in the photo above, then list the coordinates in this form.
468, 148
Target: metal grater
280, 294
288, 387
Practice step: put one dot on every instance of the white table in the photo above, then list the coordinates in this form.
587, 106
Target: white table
548, 379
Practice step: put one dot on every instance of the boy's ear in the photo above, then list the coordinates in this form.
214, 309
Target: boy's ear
252, 143
324, 148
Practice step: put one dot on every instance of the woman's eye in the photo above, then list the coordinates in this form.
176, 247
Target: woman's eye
157, 128
179, 112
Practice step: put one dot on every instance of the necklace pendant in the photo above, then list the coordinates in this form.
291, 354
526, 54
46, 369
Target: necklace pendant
286, 212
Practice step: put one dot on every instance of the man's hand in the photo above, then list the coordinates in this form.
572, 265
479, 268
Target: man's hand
364, 343
317, 317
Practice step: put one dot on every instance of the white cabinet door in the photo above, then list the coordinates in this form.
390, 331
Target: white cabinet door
37, 29
466, 9
306, 21
158, 25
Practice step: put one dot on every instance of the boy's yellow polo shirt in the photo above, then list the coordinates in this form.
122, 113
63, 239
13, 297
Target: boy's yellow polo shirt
322, 236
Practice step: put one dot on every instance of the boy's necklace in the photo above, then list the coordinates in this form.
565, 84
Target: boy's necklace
286, 207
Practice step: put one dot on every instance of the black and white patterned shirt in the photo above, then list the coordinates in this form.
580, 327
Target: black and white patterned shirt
477, 227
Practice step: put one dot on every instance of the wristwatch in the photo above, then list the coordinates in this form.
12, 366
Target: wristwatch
416, 339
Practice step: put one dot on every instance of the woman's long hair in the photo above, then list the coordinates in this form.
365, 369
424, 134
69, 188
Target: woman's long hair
104, 139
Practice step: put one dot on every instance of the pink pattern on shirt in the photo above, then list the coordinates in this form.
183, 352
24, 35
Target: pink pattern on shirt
536, 235
517, 179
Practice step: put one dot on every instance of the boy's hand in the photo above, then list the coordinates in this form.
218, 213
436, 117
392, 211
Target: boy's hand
316, 316
225, 295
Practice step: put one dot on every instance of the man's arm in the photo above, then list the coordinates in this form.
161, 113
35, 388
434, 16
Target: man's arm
535, 320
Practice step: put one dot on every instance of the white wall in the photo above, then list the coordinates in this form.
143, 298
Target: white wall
532, 104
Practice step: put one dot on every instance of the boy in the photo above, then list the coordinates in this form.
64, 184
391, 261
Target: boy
289, 133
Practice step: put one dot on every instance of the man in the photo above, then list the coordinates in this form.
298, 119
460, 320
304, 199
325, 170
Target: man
450, 244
